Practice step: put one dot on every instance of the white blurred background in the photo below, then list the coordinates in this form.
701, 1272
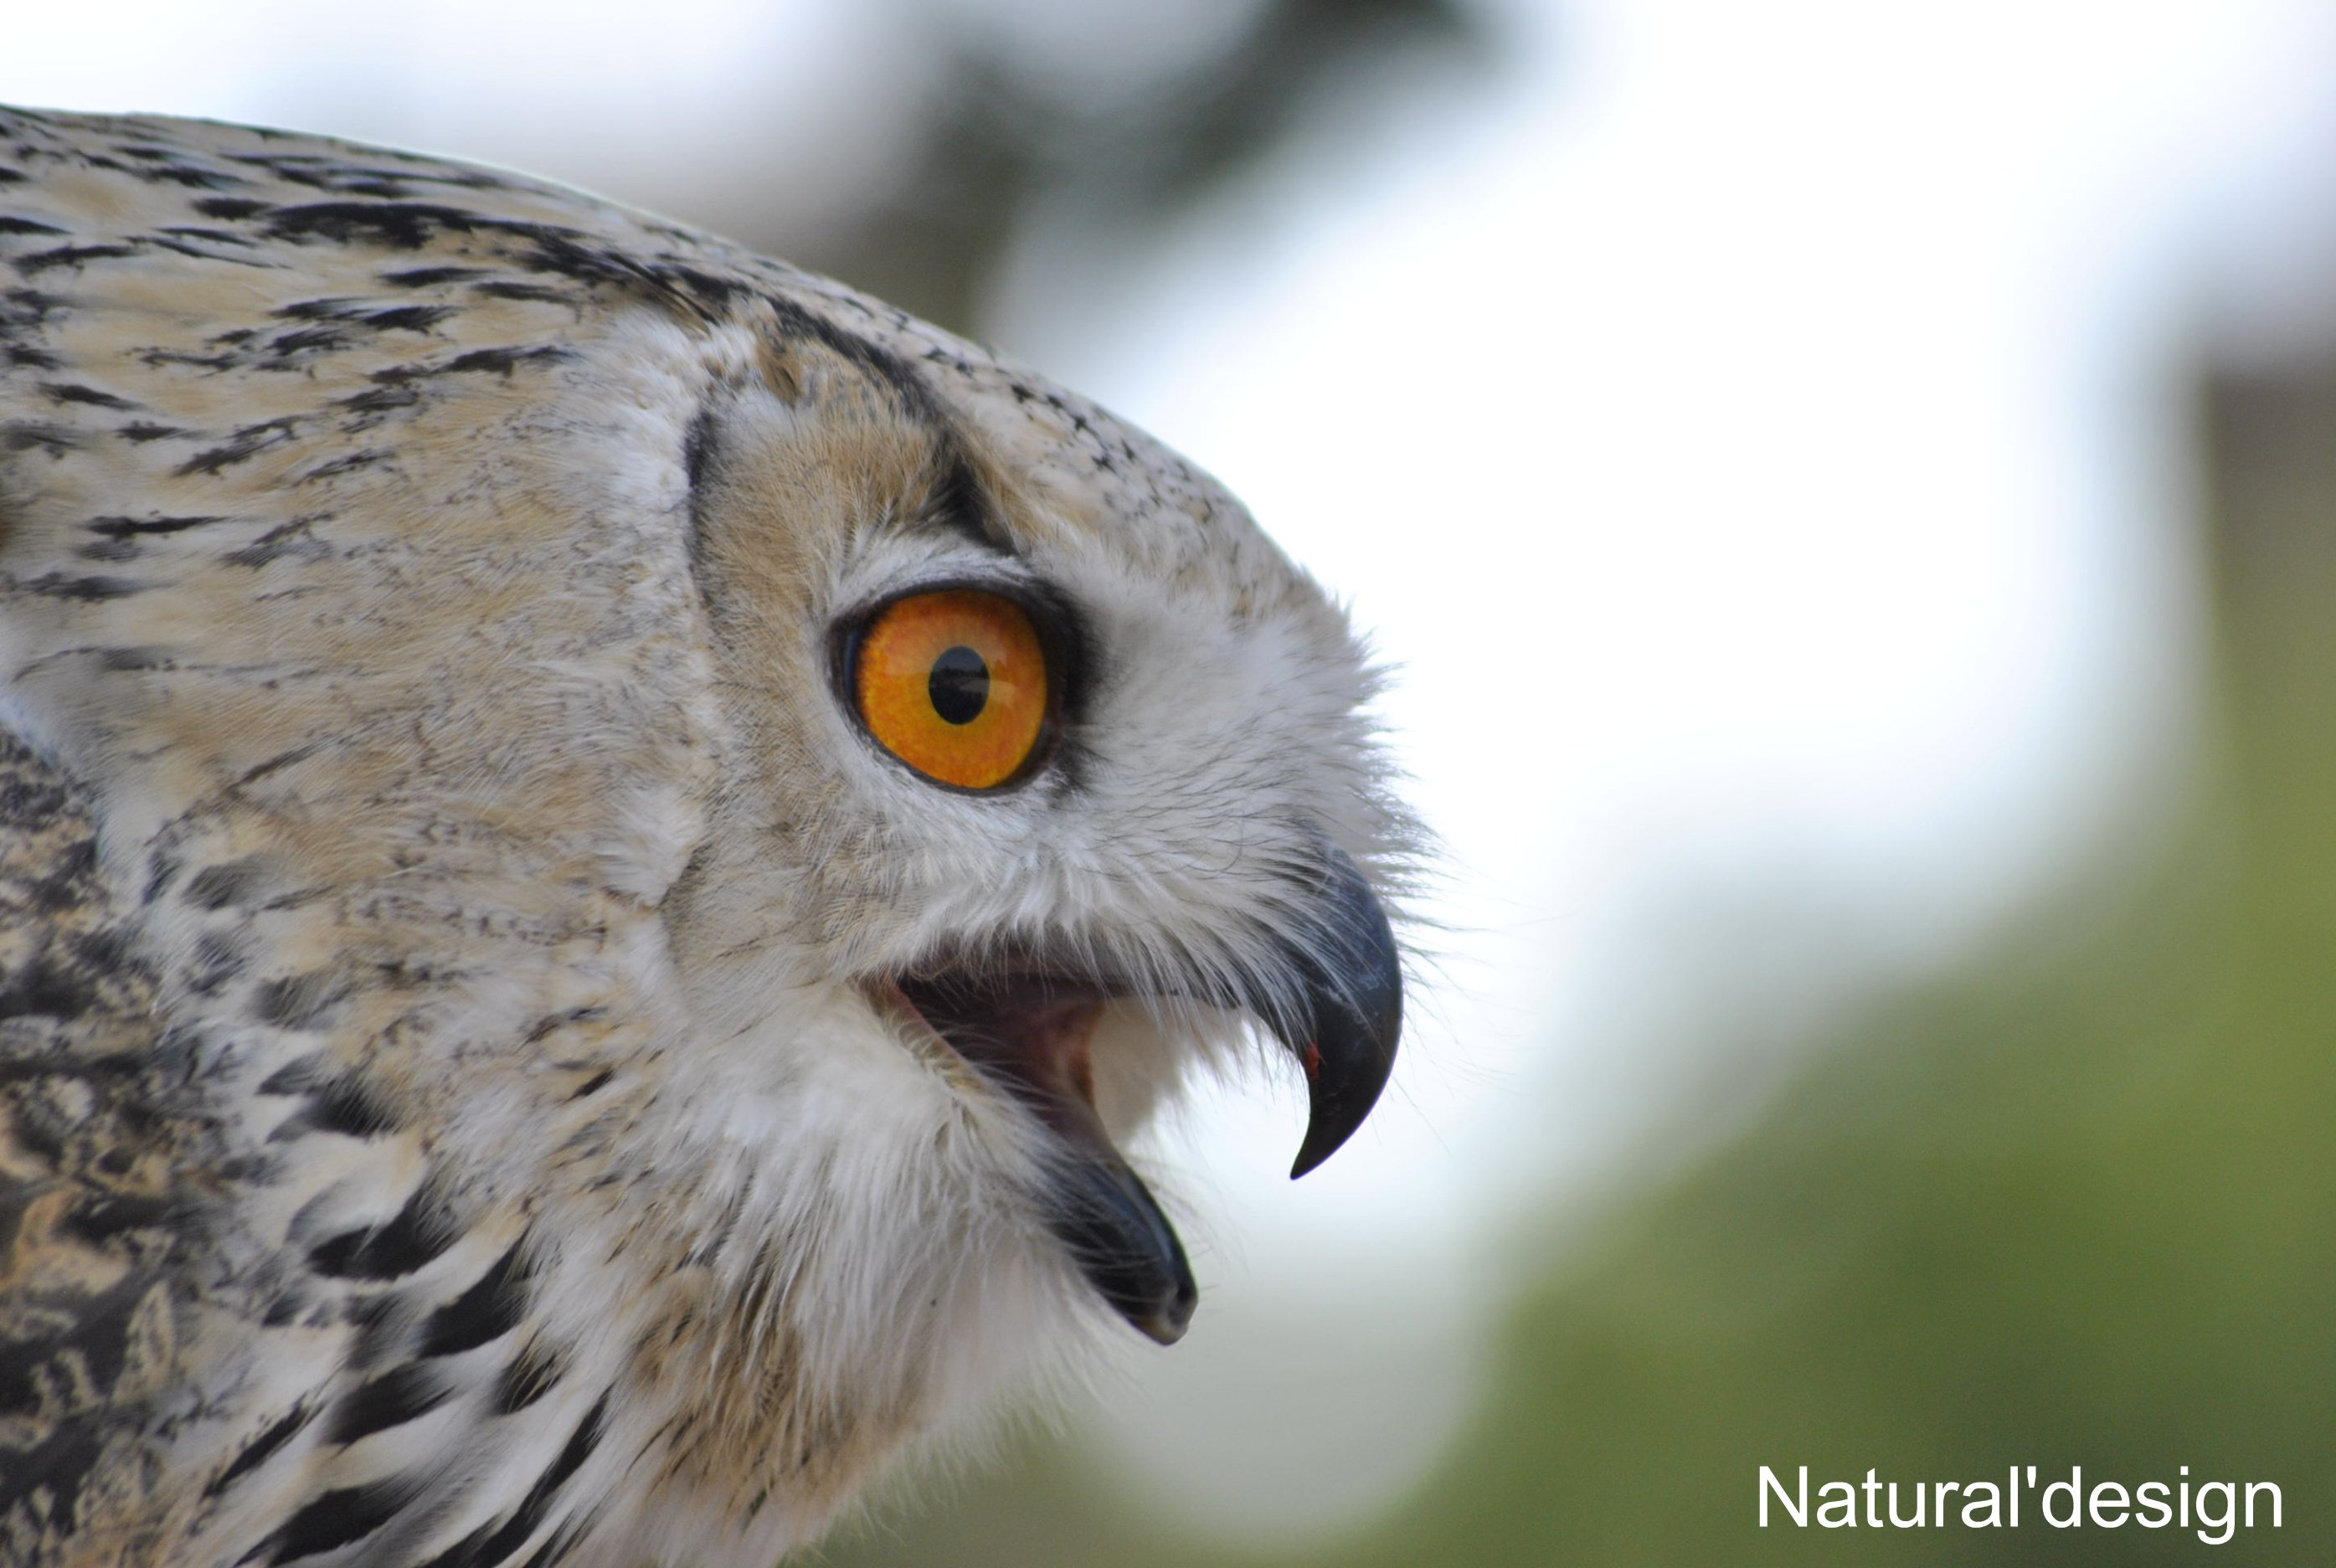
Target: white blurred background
1752, 433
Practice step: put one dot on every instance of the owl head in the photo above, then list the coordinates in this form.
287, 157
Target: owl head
1048, 767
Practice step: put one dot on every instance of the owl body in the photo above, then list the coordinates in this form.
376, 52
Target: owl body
502, 1060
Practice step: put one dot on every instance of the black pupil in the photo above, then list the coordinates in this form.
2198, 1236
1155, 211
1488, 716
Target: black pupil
958, 686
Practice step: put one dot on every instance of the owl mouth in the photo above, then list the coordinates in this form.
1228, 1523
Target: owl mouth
1338, 1007
1027, 1032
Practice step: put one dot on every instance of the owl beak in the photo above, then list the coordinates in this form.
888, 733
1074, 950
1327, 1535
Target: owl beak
1344, 1034
1026, 1028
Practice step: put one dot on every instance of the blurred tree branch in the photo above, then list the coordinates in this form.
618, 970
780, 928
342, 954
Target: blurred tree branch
1001, 138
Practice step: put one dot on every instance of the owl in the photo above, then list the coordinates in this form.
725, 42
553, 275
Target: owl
601, 842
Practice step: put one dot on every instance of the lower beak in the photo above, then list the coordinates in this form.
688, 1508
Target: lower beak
1122, 1242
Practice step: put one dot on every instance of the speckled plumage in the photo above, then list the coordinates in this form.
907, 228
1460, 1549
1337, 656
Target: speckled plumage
450, 1111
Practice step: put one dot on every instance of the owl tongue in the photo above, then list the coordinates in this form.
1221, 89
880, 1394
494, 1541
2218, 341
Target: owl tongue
1028, 1034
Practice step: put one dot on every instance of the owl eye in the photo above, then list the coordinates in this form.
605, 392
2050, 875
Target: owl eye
955, 684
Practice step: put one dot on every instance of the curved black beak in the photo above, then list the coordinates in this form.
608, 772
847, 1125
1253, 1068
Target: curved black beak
1344, 1035
1027, 1029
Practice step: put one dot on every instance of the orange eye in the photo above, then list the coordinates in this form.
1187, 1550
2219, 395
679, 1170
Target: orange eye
954, 684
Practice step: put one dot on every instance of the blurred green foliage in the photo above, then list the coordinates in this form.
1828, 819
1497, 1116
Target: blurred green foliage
2076, 1205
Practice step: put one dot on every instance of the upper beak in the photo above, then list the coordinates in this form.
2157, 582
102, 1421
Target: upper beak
1344, 1036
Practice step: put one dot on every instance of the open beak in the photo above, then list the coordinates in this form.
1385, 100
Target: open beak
1028, 1031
